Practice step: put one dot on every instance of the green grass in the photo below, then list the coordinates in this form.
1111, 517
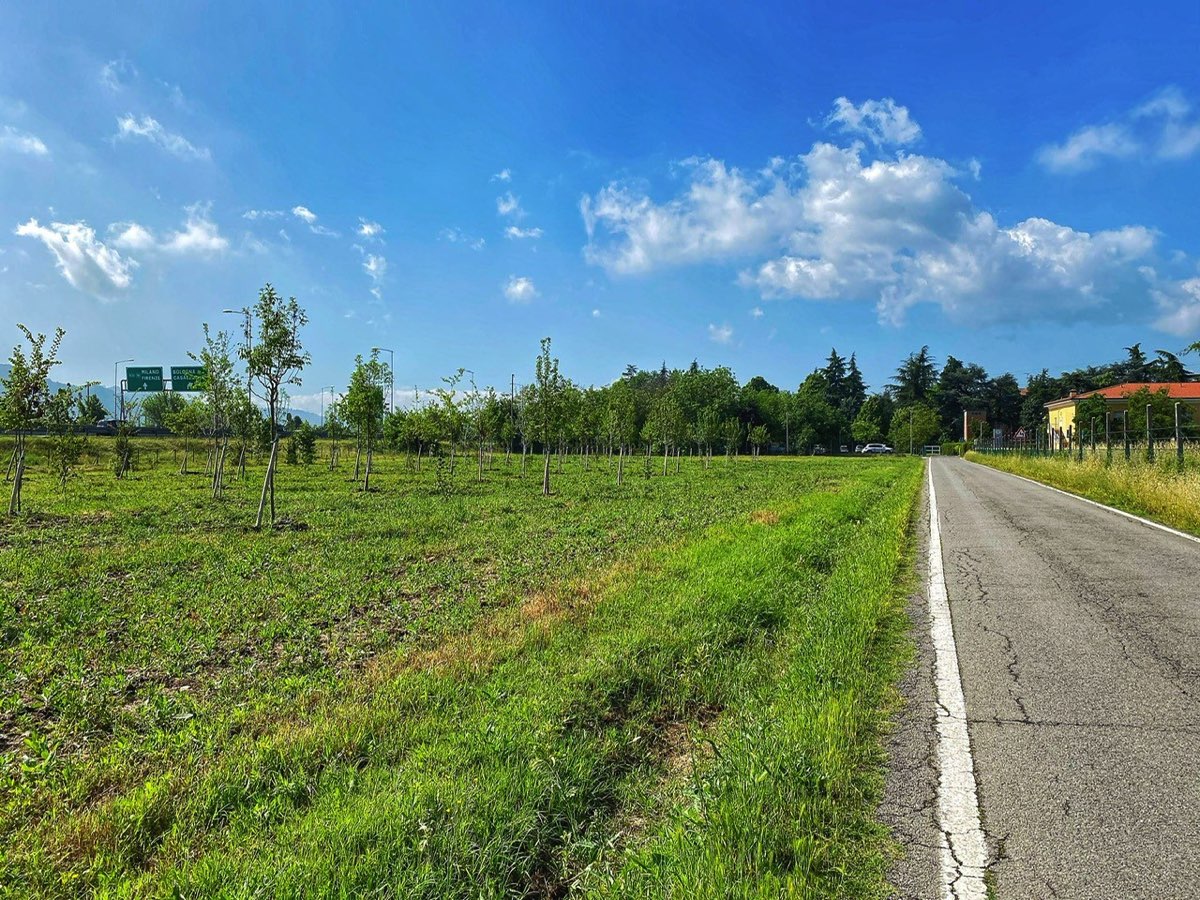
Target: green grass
1157, 490
673, 688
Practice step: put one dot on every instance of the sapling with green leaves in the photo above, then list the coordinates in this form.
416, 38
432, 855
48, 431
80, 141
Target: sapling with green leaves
275, 358
220, 393
363, 407
90, 409
25, 399
547, 406
758, 437
188, 422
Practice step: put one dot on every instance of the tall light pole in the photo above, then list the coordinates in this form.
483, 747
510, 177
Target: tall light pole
391, 376
331, 389
117, 387
247, 333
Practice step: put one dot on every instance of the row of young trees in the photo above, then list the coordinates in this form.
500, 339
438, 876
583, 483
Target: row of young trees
670, 411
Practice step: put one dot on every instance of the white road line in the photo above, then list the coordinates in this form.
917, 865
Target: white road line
963, 851
1120, 512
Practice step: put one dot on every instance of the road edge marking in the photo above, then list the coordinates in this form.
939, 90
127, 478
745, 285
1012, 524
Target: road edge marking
1120, 512
963, 849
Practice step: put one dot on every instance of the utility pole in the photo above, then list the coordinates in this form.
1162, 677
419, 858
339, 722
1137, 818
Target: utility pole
120, 416
391, 375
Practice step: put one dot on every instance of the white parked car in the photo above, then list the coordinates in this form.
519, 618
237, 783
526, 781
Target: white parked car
870, 449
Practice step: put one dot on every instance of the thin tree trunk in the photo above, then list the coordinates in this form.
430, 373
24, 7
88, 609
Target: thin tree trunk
666, 456
268, 486
14, 501
621, 466
546, 474
367, 480
418, 459
358, 460
481, 460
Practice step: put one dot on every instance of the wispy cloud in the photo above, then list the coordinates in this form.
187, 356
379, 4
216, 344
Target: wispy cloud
458, 236
304, 214
376, 267
512, 232
509, 205
116, 73
721, 334
1162, 128
503, 175
150, 129
16, 141
369, 230
520, 289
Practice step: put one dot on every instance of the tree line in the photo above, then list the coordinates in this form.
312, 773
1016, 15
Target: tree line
669, 412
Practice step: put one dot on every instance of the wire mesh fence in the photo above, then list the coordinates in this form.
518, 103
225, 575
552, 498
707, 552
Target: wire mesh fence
1125, 437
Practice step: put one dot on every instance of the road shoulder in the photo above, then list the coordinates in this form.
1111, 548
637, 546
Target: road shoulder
909, 804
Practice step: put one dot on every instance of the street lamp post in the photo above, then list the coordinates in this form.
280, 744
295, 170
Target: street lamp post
247, 333
120, 416
331, 389
391, 376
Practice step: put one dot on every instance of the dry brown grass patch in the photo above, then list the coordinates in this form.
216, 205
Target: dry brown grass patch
764, 517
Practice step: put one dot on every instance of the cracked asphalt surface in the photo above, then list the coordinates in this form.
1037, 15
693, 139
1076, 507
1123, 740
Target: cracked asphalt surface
1078, 635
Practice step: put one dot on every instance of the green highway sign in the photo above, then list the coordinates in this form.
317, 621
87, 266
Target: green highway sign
186, 378
143, 378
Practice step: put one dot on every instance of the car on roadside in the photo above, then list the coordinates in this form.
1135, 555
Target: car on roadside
819, 450
875, 449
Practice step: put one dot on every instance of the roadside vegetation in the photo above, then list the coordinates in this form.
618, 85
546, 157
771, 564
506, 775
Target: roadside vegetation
448, 687
1160, 489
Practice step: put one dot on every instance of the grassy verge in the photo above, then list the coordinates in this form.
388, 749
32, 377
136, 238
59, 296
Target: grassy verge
1158, 490
673, 688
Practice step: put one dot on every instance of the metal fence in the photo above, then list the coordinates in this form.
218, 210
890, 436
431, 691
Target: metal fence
1118, 436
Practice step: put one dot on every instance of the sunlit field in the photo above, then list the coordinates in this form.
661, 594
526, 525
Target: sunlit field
448, 687
1160, 490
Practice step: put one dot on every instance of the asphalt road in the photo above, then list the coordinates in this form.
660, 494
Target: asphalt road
1078, 637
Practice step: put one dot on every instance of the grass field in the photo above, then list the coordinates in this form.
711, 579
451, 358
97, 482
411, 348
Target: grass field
1157, 490
446, 688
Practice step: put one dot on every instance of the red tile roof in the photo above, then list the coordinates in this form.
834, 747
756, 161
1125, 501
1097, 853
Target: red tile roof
1177, 390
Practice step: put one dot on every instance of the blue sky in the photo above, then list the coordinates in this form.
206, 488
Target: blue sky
1015, 185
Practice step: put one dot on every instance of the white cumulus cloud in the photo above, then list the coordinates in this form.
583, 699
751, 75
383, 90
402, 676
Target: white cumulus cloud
86, 262
843, 224
304, 214
199, 236
150, 129
503, 175
880, 121
17, 141
520, 289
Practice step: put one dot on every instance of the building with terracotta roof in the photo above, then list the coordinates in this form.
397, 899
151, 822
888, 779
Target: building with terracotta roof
1062, 411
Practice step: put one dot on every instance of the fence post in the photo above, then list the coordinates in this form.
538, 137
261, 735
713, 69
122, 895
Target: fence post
1125, 432
1079, 440
1093, 436
1108, 437
1149, 437
1178, 438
